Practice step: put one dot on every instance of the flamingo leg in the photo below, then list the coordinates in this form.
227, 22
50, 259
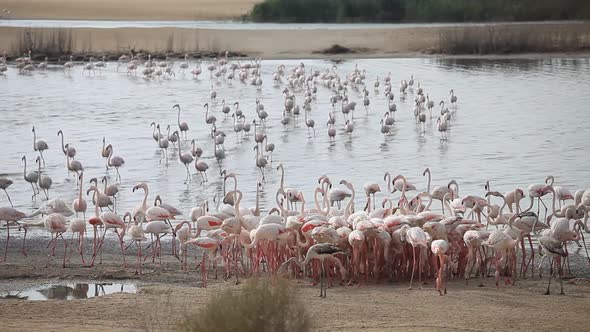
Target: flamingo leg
8, 196
413, 266
7, 239
551, 261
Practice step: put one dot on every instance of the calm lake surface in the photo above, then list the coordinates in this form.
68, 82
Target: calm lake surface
516, 122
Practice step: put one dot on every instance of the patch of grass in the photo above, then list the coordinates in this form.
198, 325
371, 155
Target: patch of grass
258, 306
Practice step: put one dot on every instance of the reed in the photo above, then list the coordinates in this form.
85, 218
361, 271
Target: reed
53, 44
502, 40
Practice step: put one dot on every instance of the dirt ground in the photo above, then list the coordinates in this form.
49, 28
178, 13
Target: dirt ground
127, 10
166, 294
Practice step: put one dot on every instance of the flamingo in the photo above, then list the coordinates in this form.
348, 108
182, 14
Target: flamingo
320, 251
31, 177
114, 161
417, 239
4, 184
200, 165
10, 215
186, 159
68, 150
39, 145
79, 204
44, 180
552, 248
182, 126
111, 220
439, 248
210, 246
111, 191
56, 224
137, 235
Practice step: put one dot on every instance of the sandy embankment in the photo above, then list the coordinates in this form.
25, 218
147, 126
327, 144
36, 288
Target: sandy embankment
291, 43
169, 10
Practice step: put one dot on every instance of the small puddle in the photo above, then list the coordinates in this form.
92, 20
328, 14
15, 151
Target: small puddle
72, 291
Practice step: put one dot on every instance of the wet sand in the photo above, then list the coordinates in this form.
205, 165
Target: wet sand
127, 10
166, 294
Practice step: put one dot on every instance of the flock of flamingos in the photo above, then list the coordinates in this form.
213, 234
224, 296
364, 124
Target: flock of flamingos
334, 240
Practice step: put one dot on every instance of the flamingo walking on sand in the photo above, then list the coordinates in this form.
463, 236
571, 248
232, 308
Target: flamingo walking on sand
56, 224
417, 239
439, 249
321, 251
11, 215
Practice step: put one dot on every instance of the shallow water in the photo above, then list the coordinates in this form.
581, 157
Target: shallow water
235, 25
516, 122
70, 291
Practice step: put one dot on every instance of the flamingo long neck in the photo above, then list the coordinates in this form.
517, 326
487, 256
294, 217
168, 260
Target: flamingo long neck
25, 168
63, 147
429, 179
153, 134
237, 205
388, 179
448, 206
257, 209
145, 196
95, 199
429, 203
179, 117
503, 205
81, 183
282, 178
110, 156
350, 205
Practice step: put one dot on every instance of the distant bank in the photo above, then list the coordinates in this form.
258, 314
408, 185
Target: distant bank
513, 38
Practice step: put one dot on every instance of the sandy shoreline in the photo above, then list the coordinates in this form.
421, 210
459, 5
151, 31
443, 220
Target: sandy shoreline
166, 294
293, 43
127, 10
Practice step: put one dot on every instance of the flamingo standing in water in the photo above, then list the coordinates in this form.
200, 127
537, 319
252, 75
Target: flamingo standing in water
39, 145
182, 126
114, 161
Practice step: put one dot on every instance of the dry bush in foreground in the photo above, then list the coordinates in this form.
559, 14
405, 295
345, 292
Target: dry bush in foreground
257, 306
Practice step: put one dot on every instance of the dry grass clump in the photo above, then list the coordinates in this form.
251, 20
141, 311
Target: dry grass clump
259, 306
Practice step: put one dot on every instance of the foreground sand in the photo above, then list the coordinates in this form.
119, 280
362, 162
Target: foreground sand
167, 294
168, 10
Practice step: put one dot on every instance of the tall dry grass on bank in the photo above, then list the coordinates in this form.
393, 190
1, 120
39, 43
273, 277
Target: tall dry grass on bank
259, 306
57, 43
503, 40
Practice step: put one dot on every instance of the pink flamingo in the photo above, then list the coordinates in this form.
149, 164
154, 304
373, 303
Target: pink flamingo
417, 239
79, 204
11, 215
210, 246
56, 224
439, 248
321, 251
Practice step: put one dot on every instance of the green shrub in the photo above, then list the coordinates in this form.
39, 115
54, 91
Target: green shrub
258, 306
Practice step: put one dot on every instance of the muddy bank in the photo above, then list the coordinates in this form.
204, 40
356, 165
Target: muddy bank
476, 39
166, 294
